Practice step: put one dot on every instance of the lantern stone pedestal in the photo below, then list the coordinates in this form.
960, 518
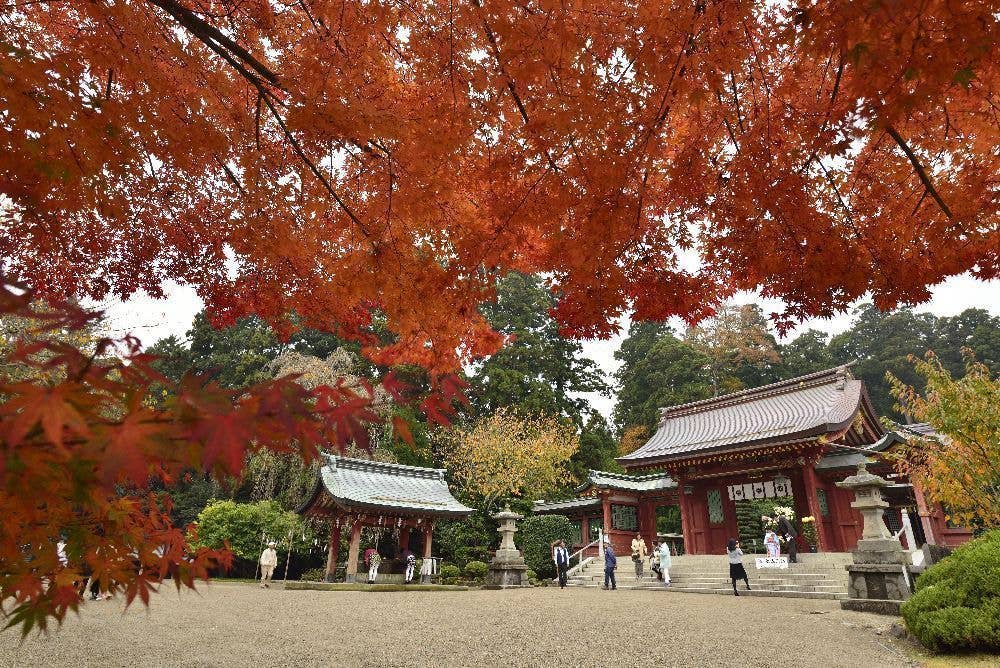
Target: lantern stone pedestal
878, 580
507, 568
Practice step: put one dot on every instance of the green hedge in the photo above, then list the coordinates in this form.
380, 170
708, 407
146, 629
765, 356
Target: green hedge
475, 570
956, 607
450, 573
535, 538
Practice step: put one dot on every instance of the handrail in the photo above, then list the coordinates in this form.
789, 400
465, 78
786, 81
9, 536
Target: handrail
582, 549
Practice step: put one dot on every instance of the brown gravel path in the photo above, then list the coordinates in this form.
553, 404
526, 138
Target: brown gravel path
241, 625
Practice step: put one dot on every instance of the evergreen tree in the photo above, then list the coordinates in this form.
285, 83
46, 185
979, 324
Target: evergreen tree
538, 371
657, 370
597, 450
806, 353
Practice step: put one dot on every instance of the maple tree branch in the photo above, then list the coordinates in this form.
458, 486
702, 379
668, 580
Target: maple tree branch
211, 35
924, 178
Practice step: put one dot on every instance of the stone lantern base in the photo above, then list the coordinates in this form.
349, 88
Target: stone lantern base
506, 571
878, 580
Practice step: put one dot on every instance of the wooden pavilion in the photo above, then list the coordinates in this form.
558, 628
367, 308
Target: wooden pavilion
790, 440
355, 493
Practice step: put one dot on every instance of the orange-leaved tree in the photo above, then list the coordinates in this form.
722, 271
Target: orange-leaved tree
85, 441
510, 455
960, 465
342, 158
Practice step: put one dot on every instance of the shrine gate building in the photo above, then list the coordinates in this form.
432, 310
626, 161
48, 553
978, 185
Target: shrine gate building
791, 441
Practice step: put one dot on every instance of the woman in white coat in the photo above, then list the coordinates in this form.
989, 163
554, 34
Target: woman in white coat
664, 553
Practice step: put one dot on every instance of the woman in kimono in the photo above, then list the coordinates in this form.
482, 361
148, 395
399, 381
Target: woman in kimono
771, 543
664, 554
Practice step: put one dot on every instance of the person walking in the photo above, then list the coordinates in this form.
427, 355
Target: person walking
374, 561
663, 552
787, 531
610, 564
638, 554
268, 562
736, 569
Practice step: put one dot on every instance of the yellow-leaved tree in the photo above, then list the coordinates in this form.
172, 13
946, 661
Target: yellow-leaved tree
508, 454
960, 467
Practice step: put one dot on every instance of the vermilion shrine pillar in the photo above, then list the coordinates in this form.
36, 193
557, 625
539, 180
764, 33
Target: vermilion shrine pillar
811, 483
404, 539
332, 548
352, 553
684, 502
428, 534
924, 512
606, 509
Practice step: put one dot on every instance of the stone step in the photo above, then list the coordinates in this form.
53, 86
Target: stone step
828, 595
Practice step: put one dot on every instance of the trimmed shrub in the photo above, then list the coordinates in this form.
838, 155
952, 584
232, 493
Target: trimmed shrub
475, 570
956, 606
313, 575
450, 573
535, 540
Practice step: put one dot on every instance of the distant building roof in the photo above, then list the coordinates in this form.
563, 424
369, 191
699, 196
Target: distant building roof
625, 482
360, 484
606, 480
840, 457
547, 507
808, 406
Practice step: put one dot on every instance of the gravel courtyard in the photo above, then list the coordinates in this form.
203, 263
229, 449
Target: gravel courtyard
241, 625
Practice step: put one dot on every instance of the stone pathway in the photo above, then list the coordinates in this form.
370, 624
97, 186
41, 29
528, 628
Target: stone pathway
241, 625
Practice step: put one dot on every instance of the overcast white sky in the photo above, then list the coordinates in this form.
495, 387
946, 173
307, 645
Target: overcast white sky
152, 319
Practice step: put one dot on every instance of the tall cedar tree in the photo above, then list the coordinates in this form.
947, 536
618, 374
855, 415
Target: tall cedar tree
539, 371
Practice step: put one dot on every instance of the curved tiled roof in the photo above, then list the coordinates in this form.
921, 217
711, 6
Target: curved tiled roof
368, 485
542, 507
625, 482
811, 405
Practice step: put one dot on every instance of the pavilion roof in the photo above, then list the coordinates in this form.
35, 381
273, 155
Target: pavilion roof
809, 406
359, 484
543, 507
625, 482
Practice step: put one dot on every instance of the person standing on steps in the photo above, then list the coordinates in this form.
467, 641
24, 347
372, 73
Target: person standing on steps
560, 555
663, 552
268, 562
736, 570
787, 531
638, 554
610, 564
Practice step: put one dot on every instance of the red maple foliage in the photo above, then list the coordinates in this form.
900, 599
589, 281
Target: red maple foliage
345, 160
81, 451
397, 156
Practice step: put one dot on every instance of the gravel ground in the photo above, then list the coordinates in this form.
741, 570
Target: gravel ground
242, 625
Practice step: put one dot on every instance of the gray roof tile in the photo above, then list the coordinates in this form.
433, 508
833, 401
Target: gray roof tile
381, 486
814, 404
630, 483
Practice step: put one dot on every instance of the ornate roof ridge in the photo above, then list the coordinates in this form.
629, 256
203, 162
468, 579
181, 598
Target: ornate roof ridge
628, 477
813, 379
370, 466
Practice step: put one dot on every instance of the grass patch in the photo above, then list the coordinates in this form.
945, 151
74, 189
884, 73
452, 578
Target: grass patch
356, 586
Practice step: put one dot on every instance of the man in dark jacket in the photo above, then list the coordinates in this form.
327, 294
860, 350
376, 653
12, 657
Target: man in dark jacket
560, 555
785, 529
610, 563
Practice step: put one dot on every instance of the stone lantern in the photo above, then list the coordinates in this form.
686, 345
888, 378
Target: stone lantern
506, 569
878, 580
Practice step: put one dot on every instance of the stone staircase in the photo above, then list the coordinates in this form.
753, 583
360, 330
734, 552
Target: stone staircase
815, 576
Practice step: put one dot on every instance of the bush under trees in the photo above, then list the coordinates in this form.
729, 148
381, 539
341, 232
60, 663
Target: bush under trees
475, 570
535, 540
957, 603
248, 526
